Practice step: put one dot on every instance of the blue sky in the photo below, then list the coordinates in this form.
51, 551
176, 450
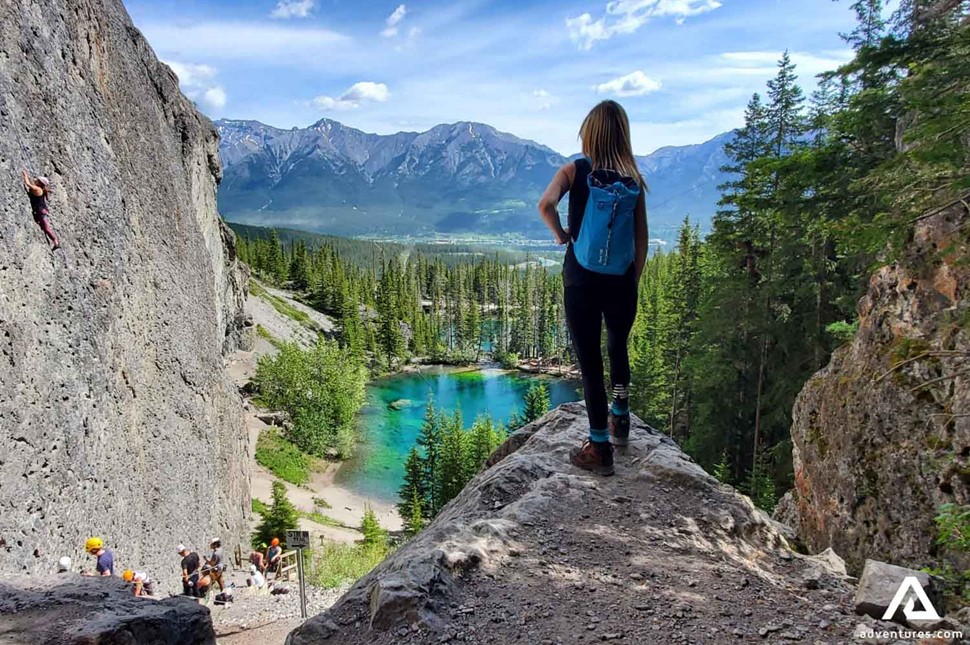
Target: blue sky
684, 69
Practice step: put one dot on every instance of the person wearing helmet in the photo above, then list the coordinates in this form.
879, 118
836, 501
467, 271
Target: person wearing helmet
274, 557
37, 191
106, 561
190, 571
142, 586
256, 578
216, 563
64, 565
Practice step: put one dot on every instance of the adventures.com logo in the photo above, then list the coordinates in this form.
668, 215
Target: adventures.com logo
910, 592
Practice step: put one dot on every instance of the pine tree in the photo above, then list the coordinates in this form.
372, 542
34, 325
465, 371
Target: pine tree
452, 469
429, 439
536, 402
483, 439
280, 518
415, 521
722, 471
415, 484
374, 534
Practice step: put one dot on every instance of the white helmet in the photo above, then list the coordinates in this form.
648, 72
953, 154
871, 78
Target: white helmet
64, 564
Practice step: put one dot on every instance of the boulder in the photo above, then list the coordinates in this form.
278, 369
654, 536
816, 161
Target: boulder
74, 610
272, 418
880, 583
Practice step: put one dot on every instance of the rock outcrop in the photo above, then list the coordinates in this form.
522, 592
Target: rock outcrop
74, 610
116, 416
537, 551
882, 434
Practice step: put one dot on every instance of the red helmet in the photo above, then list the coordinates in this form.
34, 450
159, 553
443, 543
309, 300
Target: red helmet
275, 542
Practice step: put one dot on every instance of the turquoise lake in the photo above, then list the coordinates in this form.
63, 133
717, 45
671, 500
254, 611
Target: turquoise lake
377, 469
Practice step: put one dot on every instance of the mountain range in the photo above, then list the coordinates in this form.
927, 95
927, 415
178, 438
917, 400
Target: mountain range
461, 178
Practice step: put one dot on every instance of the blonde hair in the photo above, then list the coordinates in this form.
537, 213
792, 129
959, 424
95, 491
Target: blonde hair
605, 135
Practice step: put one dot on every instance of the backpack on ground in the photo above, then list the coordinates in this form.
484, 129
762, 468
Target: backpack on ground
606, 242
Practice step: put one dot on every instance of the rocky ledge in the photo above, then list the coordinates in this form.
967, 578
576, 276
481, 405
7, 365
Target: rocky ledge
74, 610
535, 550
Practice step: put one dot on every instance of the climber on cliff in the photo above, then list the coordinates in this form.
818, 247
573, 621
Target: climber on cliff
106, 562
37, 191
606, 251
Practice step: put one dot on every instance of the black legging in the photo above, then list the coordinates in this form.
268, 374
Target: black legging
586, 306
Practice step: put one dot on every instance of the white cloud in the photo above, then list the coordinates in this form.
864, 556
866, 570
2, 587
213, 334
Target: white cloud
633, 84
293, 9
362, 92
198, 83
191, 75
543, 100
627, 16
393, 21
215, 98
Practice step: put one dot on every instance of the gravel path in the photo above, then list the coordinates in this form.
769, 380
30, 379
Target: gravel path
266, 619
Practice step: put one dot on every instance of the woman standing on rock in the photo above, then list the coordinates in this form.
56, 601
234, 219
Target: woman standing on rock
605, 256
37, 192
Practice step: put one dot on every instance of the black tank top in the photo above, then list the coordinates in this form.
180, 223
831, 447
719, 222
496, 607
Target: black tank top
38, 204
573, 273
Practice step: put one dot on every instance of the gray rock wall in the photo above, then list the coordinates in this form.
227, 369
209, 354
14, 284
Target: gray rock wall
116, 416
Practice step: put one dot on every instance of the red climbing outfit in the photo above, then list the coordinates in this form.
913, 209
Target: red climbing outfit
38, 204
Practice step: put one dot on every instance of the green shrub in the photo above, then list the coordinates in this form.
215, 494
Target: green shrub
842, 331
335, 563
508, 360
322, 389
722, 470
953, 527
282, 458
259, 506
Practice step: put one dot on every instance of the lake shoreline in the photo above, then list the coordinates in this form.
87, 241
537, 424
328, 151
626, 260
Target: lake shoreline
391, 420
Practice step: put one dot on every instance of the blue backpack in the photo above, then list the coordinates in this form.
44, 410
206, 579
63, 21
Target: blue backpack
606, 242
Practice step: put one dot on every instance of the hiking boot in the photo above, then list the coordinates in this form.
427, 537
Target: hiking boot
620, 428
596, 457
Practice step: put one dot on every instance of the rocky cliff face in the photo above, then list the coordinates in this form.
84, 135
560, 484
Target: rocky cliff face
537, 551
882, 435
116, 416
